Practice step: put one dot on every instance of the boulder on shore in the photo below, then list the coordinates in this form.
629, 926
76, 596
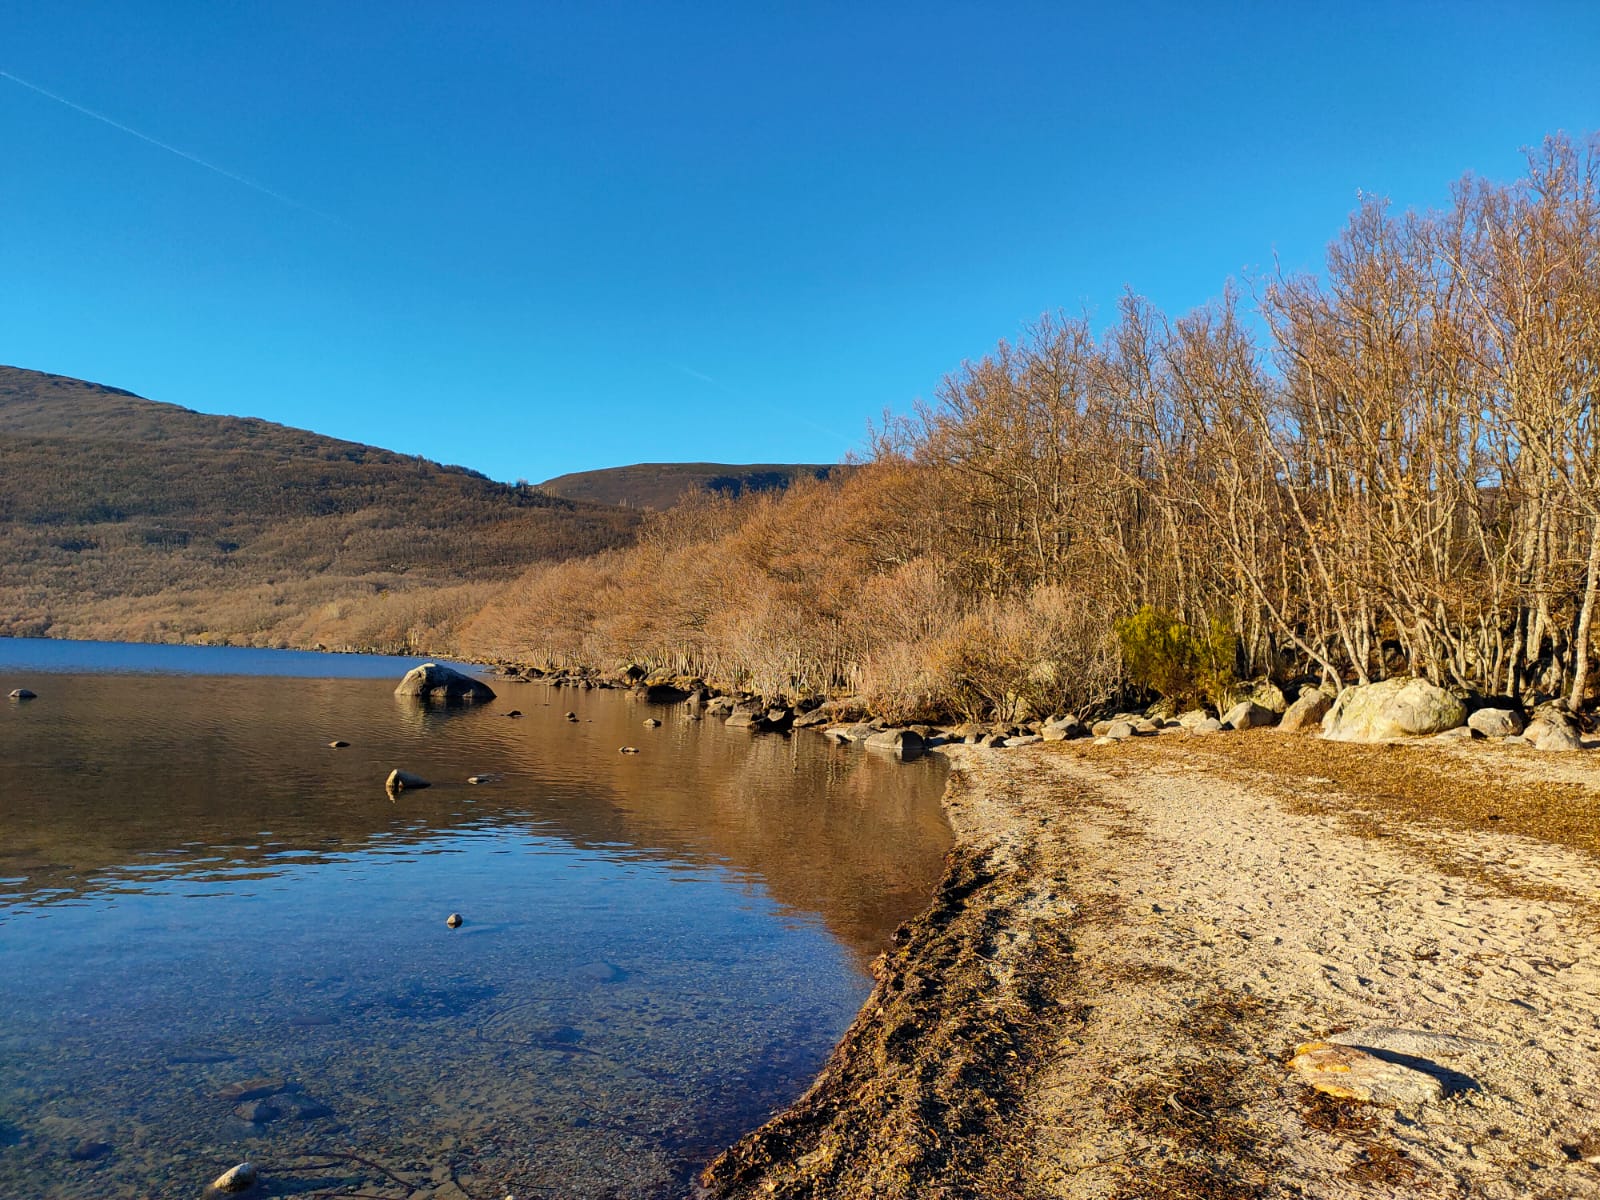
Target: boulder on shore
431, 681
1306, 712
1247, 714
1497, 722
1392, 708
1553, 729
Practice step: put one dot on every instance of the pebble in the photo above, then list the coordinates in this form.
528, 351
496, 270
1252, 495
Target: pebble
453, 920
235, 1179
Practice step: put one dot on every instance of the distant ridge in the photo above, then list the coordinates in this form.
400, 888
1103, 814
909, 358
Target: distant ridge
661, 485
128, 518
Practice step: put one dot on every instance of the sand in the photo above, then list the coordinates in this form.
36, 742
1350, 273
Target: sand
1133, 939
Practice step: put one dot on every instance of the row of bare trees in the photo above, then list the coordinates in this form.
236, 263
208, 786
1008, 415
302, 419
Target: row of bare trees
1393, 465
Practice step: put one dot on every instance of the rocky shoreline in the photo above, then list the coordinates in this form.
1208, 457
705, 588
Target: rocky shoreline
1164, 963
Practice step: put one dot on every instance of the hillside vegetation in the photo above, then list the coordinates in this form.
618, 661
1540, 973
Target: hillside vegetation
1399, 473
124, 518
661, 485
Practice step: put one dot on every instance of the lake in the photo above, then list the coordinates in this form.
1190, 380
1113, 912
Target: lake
222, 940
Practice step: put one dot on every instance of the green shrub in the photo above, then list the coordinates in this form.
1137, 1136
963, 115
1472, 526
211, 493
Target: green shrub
1162, 653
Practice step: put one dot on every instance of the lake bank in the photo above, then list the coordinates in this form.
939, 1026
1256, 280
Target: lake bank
1131, 940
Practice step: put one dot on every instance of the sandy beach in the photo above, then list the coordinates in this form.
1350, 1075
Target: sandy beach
1132, 940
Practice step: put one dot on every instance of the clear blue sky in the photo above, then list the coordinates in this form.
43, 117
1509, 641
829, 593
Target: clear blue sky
536, 238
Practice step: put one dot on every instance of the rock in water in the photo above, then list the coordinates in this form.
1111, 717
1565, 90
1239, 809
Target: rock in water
400, 781
257, 1112
431, 681
253, 1089
235, 1179
22, 694
338, 744
907, 744
453, 920
1351, 1074
1393, 708
652, 723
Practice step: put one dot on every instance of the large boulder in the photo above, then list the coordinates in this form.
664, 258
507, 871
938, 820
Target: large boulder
1553, 729
1393, 708
431, 681
1263, 693
906, 744
1306, 712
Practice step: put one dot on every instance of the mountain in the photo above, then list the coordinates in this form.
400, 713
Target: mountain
122, 517
661, 485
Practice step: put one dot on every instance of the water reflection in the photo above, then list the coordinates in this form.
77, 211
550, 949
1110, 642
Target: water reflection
196, 890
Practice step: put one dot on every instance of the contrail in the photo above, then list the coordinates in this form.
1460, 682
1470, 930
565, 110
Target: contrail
145, 137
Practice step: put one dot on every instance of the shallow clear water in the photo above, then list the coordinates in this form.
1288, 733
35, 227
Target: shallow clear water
658, 949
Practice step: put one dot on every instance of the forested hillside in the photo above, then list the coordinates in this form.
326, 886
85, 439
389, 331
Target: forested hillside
661, 485
122, 517
1390, 467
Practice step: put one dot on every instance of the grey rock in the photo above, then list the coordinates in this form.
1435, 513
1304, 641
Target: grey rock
747, 716
1497, 722
1461, 733
1553, 730
22, 694
1247, 714
1307, 712
1394, 708
907, 744
1263, 693
431, 681
338, 744
257, 1112
1026, 739
1193, 717
1209, 725
1115, 730
453, 920
401, 781
258, 1088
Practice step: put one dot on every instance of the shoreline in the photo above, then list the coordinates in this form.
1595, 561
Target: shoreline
1130, 941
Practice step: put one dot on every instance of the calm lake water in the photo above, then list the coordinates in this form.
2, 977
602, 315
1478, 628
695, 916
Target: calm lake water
197, 892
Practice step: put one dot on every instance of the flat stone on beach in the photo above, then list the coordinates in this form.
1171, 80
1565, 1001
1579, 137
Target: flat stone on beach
1347, 1073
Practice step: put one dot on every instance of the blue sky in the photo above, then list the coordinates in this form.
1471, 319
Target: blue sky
537, 238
